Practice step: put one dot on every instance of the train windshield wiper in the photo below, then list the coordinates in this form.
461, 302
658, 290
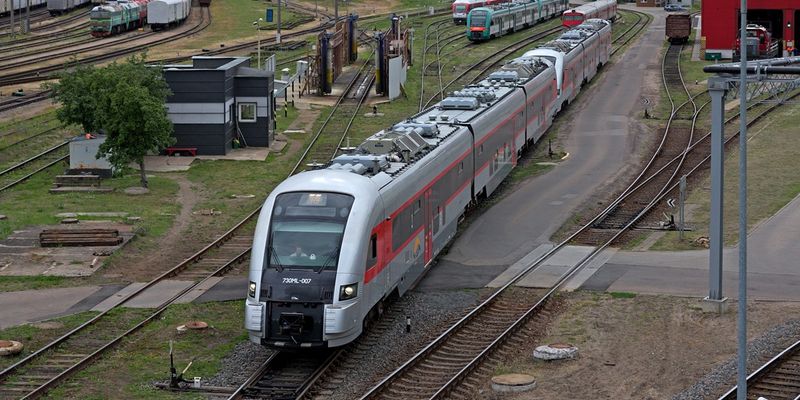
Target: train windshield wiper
276, 262
328, 259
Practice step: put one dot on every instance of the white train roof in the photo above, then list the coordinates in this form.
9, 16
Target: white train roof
392, 151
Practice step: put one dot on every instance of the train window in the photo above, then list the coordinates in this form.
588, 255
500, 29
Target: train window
373, 246
461, 168
480, 151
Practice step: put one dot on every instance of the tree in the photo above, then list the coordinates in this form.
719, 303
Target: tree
127, 100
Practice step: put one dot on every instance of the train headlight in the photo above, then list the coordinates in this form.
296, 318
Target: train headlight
251, 289
347, 292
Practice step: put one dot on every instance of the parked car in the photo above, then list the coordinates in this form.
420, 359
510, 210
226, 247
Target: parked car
674, 7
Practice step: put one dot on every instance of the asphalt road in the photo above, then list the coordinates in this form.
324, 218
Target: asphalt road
600, 140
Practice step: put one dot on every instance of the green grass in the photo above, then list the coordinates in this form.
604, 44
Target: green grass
34, 337
30, 203
14, 283
233, 19
143, 359
622, 295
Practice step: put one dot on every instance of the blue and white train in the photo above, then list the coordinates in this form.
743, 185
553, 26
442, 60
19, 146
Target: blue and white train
332, 245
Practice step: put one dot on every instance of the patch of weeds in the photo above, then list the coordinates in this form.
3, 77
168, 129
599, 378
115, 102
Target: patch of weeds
622, 295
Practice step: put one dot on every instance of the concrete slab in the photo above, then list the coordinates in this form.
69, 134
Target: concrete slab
229, 288
166, 164
25, 306
448, 274
589, 270
158, 294
113, 300
245, 154
546, 275
21, 255
518, 266
200, 289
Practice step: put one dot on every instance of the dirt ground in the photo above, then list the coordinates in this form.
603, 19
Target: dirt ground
646, 347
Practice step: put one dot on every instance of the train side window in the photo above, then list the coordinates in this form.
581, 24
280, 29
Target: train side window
460, 168
373, 247
480, 151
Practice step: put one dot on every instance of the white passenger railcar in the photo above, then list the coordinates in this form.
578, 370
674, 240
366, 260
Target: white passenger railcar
162, 14
58, 7
19, 5
332, 245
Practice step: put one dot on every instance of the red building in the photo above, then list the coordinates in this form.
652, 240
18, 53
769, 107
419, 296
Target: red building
720, 20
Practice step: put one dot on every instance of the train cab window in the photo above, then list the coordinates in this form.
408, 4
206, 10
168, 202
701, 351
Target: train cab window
307, 230
480, 150
460, 168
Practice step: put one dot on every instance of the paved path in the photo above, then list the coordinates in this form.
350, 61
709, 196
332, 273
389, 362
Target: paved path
773, 267
600, 143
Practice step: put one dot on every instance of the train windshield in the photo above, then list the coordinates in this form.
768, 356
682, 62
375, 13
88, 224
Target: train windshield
99, 14
306, 230
478, 18
461, 8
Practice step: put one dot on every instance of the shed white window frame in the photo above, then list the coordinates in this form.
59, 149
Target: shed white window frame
241, 113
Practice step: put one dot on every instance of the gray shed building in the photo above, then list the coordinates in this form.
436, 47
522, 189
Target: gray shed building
217, 99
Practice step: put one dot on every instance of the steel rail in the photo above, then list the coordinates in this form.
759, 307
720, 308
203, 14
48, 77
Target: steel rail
32, 159
441, 339
339, 101
82, 363
571, 272
28, 176
536, 36
39, 73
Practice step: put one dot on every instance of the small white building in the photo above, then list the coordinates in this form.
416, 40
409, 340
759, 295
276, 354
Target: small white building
83, 156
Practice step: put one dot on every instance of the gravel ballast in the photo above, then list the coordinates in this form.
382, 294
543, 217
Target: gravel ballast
759, 351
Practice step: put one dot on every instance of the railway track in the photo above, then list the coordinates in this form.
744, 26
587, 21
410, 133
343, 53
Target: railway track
675, 141
42, 370
777, 379
484, 64
43, 73
438, 27
270, 380
24, 170
41, 16
642, 21
453, 365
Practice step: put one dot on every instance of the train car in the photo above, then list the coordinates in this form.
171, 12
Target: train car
162, 14
332, 245
485, 23
679, 27
603, 9
759, 43
59, 7
118, 16
461, 8
19, 6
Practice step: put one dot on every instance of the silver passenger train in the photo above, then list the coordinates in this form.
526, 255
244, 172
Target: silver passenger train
332, 245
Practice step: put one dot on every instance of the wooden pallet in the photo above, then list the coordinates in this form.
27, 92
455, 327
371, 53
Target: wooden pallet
79, 237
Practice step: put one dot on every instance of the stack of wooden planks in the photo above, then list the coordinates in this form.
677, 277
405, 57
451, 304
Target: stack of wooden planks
79, 237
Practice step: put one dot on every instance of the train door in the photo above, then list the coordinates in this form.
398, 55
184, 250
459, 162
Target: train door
428, 226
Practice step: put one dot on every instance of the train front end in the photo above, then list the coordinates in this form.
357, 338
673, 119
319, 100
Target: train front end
307, 265
479, 24
572, 18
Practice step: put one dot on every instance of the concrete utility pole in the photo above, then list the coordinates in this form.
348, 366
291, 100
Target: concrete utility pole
27, 16
11, 7
278, 35
741, 391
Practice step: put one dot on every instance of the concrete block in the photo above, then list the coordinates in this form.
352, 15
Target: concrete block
714, 306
